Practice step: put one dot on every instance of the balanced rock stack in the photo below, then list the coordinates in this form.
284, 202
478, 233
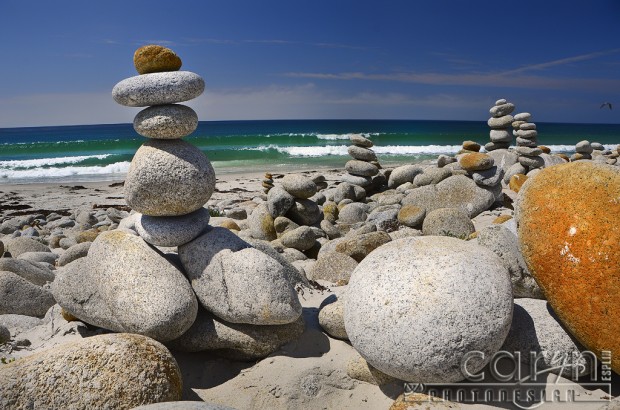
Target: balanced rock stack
483, 170
499, 123
240, 300
583, 150
527, 142
267, 182
364, 164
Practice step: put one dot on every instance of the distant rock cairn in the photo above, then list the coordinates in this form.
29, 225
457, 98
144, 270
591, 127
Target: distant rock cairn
364, 165
499, 123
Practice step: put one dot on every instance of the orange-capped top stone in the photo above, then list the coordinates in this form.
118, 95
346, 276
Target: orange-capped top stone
476, 161
570, 238
155, 59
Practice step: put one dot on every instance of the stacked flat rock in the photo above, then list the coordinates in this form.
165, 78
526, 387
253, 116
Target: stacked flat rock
364, 164
583, 150
499, 123
267, 182
527, 142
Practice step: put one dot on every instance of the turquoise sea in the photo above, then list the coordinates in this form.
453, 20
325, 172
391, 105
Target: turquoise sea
103, 152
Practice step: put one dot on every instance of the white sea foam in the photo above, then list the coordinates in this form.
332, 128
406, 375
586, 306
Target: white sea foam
42, 173
343, 136
29, 163
341, 150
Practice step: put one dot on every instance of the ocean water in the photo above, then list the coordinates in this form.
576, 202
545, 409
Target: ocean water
104, 152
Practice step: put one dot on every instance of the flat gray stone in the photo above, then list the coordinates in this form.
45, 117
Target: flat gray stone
298, 185
500, 136
527, 134
527, 126
451, 222
353, 213
502, 109
238, 283
172, 230
305, 212
524, 116
170, 121
431, 175
531, 162
293, 275
42, 257
301, 238
505, 244
455, 192
416, 306
356, 180
279, 201
489, 178
168, 178
158, 89
529, 151
33, 273
75, 252
405, 173
343, 191
113, 371
584, 147
361, 141
333, 267
21, 297
443, 160
537, 331
494, 146
500, 122
362, 154
19, 245
237, 341
125, 285
330, 230
361, 168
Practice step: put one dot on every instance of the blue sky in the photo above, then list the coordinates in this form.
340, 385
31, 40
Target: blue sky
266, 59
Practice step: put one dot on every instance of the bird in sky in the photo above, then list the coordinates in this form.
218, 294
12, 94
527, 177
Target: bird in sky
606, 104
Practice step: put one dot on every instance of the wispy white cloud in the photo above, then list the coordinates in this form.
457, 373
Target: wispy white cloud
562, 61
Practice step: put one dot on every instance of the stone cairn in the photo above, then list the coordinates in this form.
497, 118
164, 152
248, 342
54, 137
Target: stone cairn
364, 164
499, 123
194, 305
527, 142
267, 182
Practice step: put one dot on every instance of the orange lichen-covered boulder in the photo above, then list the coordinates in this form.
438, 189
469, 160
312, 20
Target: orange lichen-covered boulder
570, 239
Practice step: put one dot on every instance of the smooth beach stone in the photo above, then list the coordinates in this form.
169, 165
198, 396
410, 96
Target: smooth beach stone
471, 146
153, 58
359, 246
261, 223
344, 191
529, 151
597, 146
514, 170
416, 306
500, 122
172, 230
298, 185
458, 191
443, 160
353, 213
531, 162
33, 273
279, 201
292, 274
170, 121
490, 177
476, 162
448, 222
505, 244
21, 297
536, 330
158, 89
333, 267
522, 142
502, 109
356, 180
39, 257
361, 168
168, 178
500, 136
362, 154
527, 126
504, 158
237, 341
361, 141
100, 372
75, 252
411, 215
17, 246
432, 175
305, 212
570, 239
523, 116
331, 317
584, 147
402, 174
526, 134
551, 160
282, 225
492, 146
301, 238
330, 230
238, 283
501, 101
125, 285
